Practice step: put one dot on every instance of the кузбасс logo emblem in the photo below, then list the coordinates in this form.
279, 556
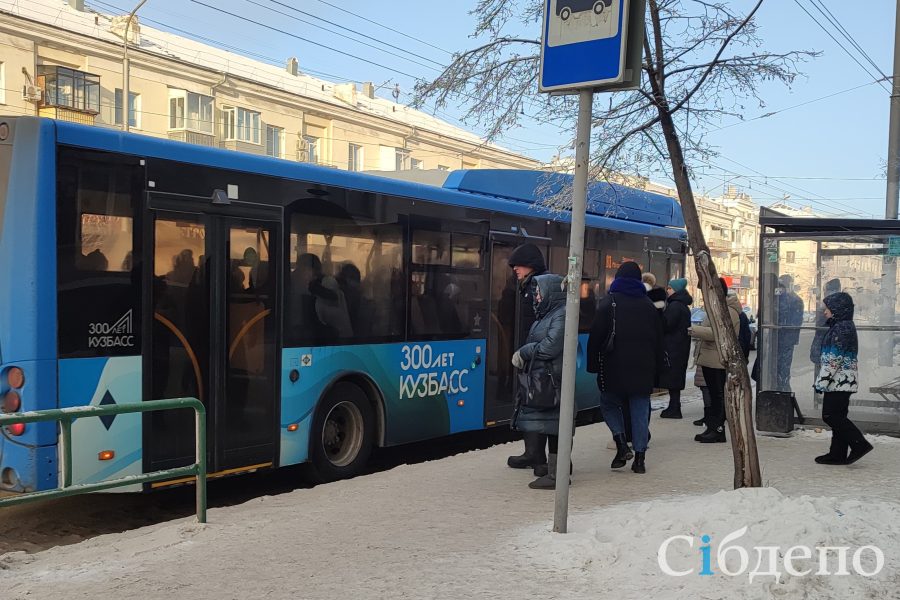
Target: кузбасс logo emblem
112, 335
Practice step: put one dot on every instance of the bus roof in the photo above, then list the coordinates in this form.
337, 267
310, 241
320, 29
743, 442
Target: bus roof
507, 191
604, 198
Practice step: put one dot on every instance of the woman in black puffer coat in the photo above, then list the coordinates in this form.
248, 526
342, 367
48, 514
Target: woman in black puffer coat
545, 346
676, 345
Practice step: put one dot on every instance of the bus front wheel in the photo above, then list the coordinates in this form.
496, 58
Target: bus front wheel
343, 433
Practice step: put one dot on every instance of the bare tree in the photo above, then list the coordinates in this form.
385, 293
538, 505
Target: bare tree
702, 62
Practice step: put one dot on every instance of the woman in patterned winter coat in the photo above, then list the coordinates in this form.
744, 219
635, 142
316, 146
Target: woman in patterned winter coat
837, 380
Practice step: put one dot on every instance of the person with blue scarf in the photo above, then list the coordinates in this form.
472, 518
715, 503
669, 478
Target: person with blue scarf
625, 351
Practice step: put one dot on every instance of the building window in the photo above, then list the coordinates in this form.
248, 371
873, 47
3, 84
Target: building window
401, 159
355, 158
312, 148
240, 124
274, 141
68, 88
791, 256
416, 164
188, 110
133, 108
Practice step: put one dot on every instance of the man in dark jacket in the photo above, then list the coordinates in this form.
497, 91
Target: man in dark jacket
789, 307
676, 345
627, 371
527, 262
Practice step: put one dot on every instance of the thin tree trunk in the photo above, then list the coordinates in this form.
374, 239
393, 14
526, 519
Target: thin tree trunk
738, 396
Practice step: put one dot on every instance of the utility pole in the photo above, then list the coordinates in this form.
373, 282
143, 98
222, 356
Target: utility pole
889, 279
893, 157
126, 75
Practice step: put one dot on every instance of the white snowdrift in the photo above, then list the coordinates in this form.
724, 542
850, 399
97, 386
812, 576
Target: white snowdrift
616, 548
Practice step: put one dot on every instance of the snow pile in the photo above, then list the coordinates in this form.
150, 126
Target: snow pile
616, 548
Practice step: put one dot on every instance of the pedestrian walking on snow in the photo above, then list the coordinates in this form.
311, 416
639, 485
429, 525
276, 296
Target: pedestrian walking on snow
837, 380
625, 350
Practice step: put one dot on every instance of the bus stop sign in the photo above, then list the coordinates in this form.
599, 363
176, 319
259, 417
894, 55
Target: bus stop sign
589, 44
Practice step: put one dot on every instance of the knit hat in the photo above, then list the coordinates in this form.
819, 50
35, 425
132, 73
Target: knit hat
528, 255
649, 279
679, 285
629, 270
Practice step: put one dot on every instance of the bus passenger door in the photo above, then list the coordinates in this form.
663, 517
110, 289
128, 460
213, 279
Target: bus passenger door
213, 336
500, 385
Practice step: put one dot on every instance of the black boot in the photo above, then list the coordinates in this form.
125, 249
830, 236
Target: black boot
548, 481
621, 452
858, 449
534, 452
713, 435
671, 413
638, 465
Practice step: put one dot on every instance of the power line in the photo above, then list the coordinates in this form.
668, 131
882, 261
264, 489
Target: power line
358, 16
787, 108
368, 45
524, 145
303, 39
820, 6
836, 41
406, 50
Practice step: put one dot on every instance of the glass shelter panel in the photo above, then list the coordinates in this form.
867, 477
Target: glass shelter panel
798, 273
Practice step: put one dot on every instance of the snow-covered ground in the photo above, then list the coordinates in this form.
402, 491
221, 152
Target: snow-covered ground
468, 526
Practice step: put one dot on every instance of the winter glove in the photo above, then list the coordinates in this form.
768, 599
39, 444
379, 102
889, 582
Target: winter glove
517, 360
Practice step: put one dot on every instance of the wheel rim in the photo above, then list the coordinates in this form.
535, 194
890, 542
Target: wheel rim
598, 7
564, 14
342, 435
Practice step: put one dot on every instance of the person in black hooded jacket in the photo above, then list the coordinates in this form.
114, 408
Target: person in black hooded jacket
837, 379
526, 262
677, 345
627, 372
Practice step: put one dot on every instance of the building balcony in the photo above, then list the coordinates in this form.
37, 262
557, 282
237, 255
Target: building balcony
193, 137
719, 244
68, 94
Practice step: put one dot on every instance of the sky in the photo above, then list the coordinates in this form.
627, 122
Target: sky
828, 154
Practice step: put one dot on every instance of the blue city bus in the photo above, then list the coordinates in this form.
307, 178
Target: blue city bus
316, 313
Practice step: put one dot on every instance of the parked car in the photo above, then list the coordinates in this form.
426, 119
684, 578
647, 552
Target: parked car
565, 8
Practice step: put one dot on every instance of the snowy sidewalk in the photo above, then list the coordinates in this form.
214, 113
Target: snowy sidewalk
469, 527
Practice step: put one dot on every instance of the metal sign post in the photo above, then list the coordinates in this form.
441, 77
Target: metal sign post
573, 301
587, 45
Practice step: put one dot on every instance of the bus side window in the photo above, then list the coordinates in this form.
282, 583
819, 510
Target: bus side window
98, 282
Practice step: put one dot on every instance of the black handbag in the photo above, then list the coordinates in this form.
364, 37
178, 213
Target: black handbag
538, 387
611, 338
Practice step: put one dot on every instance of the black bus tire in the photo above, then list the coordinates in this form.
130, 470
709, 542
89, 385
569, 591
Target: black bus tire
342, 435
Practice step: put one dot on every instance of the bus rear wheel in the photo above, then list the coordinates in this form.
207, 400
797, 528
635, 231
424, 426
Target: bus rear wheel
343, 433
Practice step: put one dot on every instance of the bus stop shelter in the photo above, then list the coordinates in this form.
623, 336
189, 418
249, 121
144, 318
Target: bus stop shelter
804, 259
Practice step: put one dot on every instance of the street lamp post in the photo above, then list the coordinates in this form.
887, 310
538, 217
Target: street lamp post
126, 105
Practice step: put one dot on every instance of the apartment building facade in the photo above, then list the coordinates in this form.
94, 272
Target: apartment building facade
62, 60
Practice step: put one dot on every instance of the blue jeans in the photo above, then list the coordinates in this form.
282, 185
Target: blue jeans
639, 405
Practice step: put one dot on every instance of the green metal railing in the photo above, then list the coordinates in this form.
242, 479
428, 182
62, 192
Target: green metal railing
65, 417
